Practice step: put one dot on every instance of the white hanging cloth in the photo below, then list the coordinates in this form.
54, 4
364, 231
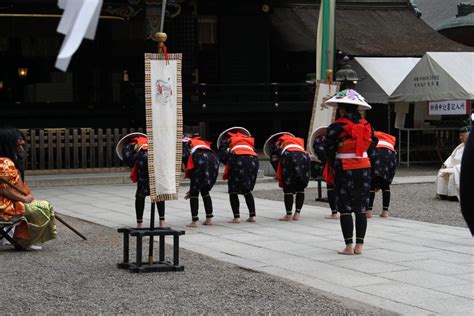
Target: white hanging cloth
79, 20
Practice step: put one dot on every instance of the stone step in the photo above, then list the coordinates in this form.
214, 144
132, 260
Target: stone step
55, 180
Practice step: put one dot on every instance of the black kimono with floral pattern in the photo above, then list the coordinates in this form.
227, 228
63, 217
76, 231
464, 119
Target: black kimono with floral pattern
383, 162
141, 158
352, 186
243, 170
206, 168
295, 169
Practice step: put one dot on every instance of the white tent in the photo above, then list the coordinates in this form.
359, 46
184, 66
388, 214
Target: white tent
387, 72
380, 76
438, 77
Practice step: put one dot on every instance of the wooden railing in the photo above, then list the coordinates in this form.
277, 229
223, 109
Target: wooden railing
68, 148
52, 149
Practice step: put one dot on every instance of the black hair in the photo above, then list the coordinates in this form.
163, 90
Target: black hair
21, 135
8, 141
350, 108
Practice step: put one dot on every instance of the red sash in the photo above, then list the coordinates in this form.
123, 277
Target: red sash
328, 174
357, 138
226, 172
279, 175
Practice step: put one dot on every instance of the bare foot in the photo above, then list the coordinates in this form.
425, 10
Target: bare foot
251, 219
369, 214
162, 223
34, 247
347, 251
332, 216
358, 249
384, 214
296, 216
193, 224
286, 218
208, 221
139, 225
234, 221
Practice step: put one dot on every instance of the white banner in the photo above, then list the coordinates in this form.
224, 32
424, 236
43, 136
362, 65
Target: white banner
164, 124
450, 107
322, 115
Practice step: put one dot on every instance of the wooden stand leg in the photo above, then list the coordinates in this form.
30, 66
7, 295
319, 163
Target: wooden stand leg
162, 248
126, 252
152, 226
139, 251
176, 250
320, 193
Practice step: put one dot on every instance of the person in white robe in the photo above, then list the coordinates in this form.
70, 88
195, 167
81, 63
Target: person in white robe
447, 181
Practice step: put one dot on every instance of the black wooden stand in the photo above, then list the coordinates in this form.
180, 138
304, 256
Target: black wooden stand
156, 266
320, 193
151, 232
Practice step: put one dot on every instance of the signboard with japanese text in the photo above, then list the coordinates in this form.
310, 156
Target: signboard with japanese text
449, 107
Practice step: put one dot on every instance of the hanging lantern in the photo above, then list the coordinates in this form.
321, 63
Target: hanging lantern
22, 72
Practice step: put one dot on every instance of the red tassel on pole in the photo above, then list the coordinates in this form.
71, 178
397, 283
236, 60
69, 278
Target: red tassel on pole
165, 52
162, 37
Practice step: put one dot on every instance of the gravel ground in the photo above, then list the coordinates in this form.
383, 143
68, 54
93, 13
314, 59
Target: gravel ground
409, 201
80, 277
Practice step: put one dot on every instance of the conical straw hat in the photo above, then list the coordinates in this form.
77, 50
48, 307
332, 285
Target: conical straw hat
232, 129
271, 140
124, 140
351, 97
319, 132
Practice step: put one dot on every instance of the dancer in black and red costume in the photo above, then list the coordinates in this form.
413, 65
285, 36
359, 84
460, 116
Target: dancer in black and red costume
348, 144
133, 150
317, 139
202, 167
236, 151
292, 165
384, 161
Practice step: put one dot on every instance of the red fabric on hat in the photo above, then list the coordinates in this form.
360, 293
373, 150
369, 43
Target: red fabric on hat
198, 141
241, 139
195, 141
287, 139
140, 142
381, 136
236, 134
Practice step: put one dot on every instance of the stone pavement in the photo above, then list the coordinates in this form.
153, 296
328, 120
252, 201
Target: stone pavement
37, 181
409, 267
